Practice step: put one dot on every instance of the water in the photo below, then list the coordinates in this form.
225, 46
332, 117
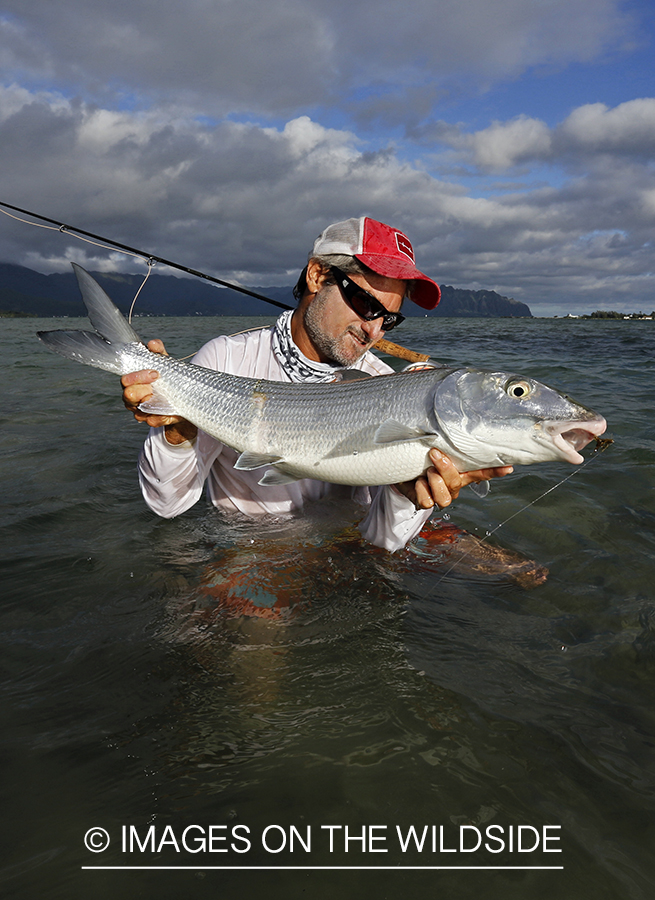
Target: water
393, 697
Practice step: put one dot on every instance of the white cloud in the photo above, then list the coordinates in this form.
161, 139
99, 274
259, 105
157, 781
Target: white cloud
246, 201
628, 129
283, 56
487, 40
141, 136
585, 138
504, 144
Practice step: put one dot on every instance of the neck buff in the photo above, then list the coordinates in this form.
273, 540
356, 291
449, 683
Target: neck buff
295, 364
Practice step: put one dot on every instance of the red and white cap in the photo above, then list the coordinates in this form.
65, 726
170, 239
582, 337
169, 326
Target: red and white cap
384, 249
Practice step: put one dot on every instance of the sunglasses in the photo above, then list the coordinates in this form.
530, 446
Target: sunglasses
364, 304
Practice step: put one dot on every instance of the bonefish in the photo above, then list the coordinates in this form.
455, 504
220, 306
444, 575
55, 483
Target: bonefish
363, 432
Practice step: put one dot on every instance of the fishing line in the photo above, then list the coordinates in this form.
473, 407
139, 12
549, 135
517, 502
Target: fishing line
65, 229
108, 244
151, 264
601, 445
150, 260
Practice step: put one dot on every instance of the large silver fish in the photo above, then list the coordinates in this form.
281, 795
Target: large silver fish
363, 432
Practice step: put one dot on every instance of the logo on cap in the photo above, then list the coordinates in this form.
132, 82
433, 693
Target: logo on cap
404, 245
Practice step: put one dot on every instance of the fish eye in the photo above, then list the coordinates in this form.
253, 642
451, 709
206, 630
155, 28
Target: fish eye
518, 389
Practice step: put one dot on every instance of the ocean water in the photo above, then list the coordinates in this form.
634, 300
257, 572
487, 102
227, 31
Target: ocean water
302, 749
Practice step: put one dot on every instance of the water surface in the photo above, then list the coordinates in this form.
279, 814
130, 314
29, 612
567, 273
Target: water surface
393, 696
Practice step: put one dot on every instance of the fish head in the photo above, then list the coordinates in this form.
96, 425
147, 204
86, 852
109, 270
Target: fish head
498, 418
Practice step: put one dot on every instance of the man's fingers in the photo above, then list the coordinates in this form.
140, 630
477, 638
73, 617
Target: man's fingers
442, 482
158, 421
446, 468
157, 346
430, 490
137, 389
420, 495
136, 394
457, 480
485, 474
144, 376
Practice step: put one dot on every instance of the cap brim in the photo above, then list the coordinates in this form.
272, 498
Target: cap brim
426, 292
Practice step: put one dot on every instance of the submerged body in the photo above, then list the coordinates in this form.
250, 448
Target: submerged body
370, 432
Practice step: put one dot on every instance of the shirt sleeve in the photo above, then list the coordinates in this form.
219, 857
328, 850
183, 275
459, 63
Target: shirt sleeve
172, 476
392, 519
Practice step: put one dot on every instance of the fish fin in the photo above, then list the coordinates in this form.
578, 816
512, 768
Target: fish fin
85, 347
392, 432
466, 444
251, 460
105, 317
350, 375
480, 489
157, 409
274, 476
158, 403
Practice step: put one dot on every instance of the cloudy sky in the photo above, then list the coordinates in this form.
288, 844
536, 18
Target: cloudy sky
513, 140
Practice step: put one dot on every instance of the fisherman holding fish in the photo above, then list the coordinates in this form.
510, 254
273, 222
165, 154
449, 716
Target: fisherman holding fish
350, 294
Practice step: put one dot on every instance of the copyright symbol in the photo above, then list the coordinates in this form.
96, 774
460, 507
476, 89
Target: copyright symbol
96, 840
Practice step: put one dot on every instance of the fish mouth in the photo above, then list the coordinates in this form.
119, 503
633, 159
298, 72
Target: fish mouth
571, 437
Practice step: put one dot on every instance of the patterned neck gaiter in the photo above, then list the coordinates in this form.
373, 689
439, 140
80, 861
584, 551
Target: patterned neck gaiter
295, 363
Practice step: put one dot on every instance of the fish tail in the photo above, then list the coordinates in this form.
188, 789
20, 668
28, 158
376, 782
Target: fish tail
88, 348
104, 350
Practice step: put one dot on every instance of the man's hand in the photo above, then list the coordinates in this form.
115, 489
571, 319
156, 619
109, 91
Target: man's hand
136, 390
441, 484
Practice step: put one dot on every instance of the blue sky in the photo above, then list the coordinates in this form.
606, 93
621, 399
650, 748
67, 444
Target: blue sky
512, 140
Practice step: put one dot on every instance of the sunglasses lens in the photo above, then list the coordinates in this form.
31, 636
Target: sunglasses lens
362, 305
365, 305
369, 309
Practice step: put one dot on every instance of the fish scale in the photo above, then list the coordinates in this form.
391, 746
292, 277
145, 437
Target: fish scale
254, 415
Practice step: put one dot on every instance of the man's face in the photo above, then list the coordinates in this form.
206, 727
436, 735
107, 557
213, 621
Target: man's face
335, 331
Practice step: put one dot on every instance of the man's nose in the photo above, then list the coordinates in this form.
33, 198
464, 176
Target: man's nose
373, 329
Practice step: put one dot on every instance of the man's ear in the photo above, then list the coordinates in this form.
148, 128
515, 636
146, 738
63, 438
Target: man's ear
316, 276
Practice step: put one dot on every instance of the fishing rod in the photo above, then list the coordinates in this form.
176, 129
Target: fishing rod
150, 257
383, 345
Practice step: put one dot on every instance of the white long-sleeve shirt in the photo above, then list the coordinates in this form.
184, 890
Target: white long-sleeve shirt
172, 477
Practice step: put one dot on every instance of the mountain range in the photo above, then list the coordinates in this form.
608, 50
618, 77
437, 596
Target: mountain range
26, 292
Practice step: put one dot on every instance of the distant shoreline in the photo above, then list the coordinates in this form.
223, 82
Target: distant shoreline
24, 290
602, 314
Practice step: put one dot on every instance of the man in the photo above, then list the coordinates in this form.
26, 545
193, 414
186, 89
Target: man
350, 294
